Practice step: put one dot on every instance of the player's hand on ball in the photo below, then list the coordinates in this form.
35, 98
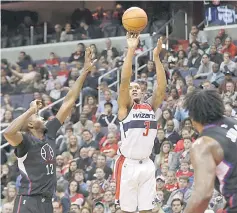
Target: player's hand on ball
36, 105
158, 48
89, 63
132, 39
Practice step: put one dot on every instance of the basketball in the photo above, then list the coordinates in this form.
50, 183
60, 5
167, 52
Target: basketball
134, 19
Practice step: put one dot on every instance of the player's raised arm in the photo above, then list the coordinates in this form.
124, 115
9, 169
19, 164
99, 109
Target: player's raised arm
13, 131
204, 164
124, 100
159, 92
74, 92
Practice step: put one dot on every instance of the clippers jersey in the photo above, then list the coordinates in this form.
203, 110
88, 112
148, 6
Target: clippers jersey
138, 132
225, 133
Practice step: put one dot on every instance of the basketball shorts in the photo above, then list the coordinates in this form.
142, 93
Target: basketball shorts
36, 204
135, 184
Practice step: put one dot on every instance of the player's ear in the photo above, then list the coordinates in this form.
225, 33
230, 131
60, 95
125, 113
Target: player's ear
30, 125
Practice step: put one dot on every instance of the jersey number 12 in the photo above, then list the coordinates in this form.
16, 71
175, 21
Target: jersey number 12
147, 127
49, 168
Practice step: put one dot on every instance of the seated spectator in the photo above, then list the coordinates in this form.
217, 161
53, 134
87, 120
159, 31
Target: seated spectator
194, 61
180, 113
216, 77
76, 209
218, 44
62, 198
184, 169
95, 194
57, 92
177, 205
205, 68
87, 140
24, 60
57, 34
215, 56
97, 134
91, 101
79, 176
166, 155
110, 146
87, 31
166, 116
84, 161
229, 47
171, 182
67, 34
11, 194
108, 99
53, 78
228, 65
170, 133
182, 62
99, 14
230, 93
53, 60
67, 158
60, 178
104, 87
7, 208
160, 138
108, 118
183, 188
7, 117
82, 124
228, 77
72, 168
79, 55
73, 191
100, 163
199, 36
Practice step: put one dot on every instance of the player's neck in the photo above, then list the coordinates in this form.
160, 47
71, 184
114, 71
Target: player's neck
38, 134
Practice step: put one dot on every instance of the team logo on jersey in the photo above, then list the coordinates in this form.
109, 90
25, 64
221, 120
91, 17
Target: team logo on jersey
143, 115
47, 152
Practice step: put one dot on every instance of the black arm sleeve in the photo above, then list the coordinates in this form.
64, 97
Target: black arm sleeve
23, 147
52, 127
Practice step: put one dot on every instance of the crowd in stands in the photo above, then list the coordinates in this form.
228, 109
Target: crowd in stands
83, 24
88, 141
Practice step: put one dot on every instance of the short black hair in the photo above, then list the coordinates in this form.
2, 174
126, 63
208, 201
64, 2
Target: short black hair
177, 199
204, 106
108, 103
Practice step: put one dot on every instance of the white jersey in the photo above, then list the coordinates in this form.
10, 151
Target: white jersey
138, 132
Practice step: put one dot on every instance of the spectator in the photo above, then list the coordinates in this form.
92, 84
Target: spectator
215, 56
87, 31
24, 60
82, 124
58, 32
53, 60
108, 99
73, 191
216, 77
199, 36
63, 198
79, 55
87, 140
229, 47
228, 65
194, 60
67, 34
205, 68
108, 117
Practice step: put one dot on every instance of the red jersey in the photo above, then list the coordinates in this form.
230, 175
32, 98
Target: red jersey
171, 187
181, 173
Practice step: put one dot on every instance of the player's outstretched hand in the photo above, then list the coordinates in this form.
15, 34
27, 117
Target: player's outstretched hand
36, 105
89, 63
158, 48
132, 39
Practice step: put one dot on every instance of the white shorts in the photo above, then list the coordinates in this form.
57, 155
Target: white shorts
135, 184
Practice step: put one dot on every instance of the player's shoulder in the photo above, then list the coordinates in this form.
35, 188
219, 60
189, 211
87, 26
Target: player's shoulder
205, 143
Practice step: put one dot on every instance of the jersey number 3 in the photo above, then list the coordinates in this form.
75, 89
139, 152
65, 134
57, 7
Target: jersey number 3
147, 127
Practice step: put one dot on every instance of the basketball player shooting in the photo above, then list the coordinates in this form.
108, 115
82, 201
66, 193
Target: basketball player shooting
134, 171
35, 148
213, 155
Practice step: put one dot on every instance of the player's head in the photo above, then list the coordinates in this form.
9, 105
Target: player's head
135, 92
204, 107
35, 123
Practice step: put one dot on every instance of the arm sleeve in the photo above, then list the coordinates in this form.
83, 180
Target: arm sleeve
23, 147
52, 127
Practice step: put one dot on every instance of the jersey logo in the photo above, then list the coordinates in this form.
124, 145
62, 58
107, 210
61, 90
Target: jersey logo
142, 106
232, 134
143, 115
47, 152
